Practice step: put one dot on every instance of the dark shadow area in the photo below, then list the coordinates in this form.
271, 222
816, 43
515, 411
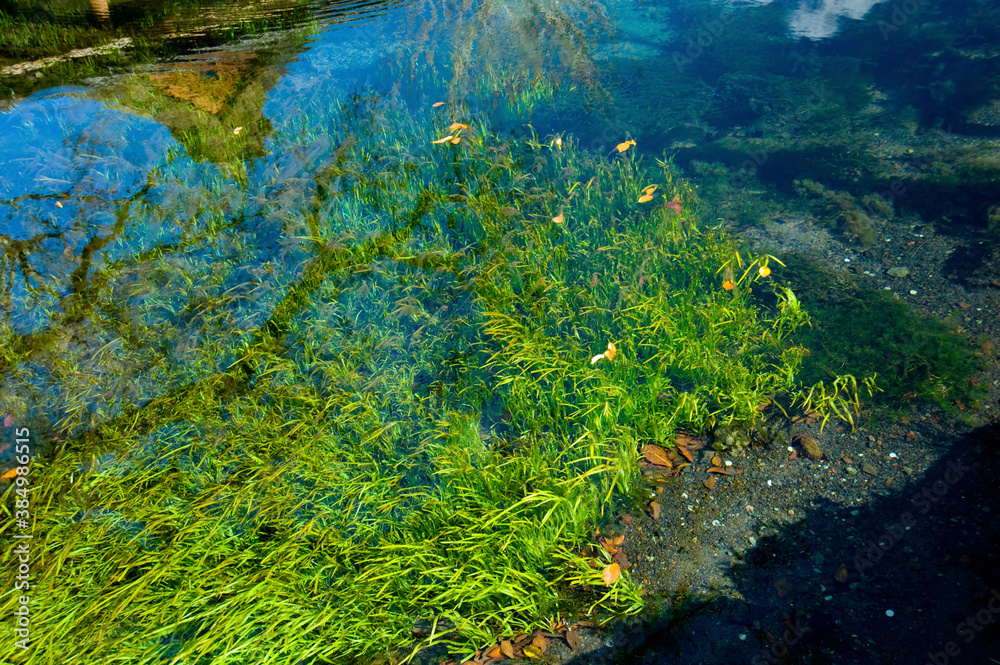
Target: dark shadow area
907, 579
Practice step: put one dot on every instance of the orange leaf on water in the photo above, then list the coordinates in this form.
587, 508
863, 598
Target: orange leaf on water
612, 350
7, 475
624, 145
447, 138
727, 285
437, 104
456, 140
650, 189
764, 271
558, 219
645, 197
611, 573
457, 125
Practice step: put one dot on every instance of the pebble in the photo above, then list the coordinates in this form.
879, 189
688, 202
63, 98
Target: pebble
913, 292
851, 470
890, 613
869, 469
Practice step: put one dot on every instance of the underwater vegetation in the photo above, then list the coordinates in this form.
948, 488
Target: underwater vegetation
293, 414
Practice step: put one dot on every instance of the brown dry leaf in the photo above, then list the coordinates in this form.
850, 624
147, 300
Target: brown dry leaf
654, 510
506, 648
764, 406
611, 573
611, 549
716, 469
710, 483
621, 560
688, 441
495, 653
684, 451
540, 643
716, 461
617, 540
656, 455
573, 639
841, 575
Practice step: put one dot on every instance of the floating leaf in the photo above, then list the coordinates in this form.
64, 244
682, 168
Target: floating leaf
764, 271
457, 125
654, 510
456, 140
599, 356
623, 146
558, 219
506, 648
58, 204
7, 475
611, 573
645, 197
650, 189
437, 104
447, 138
573, 639
656, 455
611, 352
727, 285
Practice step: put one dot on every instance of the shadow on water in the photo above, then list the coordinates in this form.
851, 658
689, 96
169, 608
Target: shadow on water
910, 578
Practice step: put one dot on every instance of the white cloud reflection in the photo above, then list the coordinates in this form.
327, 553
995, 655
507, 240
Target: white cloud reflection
819, 19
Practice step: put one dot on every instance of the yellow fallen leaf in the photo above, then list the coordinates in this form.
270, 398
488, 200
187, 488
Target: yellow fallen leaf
611, 352
58, 204
237, 130
447, 138
650, 189
623, 146
531, 652
457, 125
611, 573
645, 197
764, 271
558, 219
456, 140
7, 475
727, 285
437, 104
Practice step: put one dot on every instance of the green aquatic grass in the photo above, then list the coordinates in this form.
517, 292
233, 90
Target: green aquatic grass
288, 432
